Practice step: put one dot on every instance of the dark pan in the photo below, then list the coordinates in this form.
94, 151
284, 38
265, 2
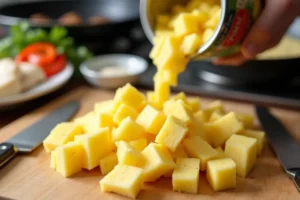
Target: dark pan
122, 14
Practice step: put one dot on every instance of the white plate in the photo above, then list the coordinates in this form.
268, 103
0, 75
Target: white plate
48, 86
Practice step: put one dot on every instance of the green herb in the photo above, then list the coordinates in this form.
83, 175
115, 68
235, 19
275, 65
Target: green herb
21, 36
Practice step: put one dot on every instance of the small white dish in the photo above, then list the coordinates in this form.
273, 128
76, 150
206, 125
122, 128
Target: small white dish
46, 87
113, 70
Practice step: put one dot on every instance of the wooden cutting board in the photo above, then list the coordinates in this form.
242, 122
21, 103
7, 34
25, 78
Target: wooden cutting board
29, 176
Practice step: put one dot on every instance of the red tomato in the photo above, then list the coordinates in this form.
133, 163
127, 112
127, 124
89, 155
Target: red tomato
41, 54
56, 66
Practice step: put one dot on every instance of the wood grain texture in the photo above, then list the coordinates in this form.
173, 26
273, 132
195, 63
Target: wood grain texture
29, 176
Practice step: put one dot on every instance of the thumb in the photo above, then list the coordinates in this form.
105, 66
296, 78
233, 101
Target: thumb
270, 27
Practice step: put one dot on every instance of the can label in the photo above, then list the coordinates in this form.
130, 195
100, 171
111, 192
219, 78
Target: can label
239, 16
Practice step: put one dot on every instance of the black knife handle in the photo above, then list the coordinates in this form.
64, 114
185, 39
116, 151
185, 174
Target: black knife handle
297, 180
7, 152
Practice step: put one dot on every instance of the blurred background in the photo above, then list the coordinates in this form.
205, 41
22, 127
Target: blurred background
113, 26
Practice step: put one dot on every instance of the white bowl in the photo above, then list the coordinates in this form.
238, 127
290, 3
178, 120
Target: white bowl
133, 65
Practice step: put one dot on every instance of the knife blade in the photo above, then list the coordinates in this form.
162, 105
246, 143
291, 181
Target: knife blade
284, 145
30, 138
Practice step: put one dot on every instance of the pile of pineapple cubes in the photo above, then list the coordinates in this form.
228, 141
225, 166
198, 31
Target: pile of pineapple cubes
134, 142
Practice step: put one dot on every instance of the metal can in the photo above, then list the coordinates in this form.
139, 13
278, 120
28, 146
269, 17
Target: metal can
237, 18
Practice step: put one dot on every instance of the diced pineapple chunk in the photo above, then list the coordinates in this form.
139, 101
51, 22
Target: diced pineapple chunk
69, 158
104, 107
198, 148
105, 120
130, 96
149, 137
108, 163
213, 107
180, 110
221, 174
180, 96
207, 34
220, 154
202, 17
128, 155
247, 120
259, 135
191, 44
194, 104
61, 134
196, 128
158, 44
179, 153
96, 145
139, 144
128, 130
53, 160
172, 133
185, 24
124, 180
177, 9
214, 19
124, 111
163, 20
242, 150
219, 131
162, 93
158, 162
88, 122
151, 119
185, 177
166, 75
216, 115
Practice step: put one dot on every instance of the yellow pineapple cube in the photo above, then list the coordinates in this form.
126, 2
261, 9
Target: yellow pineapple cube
185, 177
242, 150
185, 24
124, 111
162, 32
259, 135
216, 115
196, 128
191, 44
221, 174
108, 163
180, 110
172, 133
179, 153
128, 130
180, 96
163, 20
214, 19
194, 104
139, 144
151, 119
130, 96
124, 180
220, 154
207, 34
200, 115
247, 120
213, 107
177, 9
158, 162
162, 93
198, 148
88, 122
61, 134
219, 131
96, 145
158, 44
128, 155
53, 160
166, 75
106, 120
69, 158
104, 107
202, 17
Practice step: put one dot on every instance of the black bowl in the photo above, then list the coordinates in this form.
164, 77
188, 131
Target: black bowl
122, 14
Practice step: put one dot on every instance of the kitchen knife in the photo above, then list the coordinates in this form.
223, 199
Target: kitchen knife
31, 137
284, 145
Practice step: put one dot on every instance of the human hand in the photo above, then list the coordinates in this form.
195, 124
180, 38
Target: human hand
267, 31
